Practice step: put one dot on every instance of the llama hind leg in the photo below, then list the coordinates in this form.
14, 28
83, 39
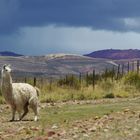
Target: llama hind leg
34, 105
26, 110
36, 115
35, 110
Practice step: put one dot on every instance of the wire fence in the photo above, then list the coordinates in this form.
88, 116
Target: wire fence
88, 78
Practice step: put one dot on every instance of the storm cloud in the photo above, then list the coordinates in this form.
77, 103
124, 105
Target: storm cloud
114, 15
36, 27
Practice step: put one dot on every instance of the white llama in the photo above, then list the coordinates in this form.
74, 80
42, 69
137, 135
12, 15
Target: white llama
19, 96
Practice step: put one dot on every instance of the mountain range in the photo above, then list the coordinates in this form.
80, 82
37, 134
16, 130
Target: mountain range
56, 65
115, 54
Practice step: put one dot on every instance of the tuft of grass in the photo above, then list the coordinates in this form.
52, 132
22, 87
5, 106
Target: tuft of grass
109, 95
2, 101
133, 79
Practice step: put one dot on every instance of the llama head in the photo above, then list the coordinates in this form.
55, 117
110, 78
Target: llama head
6, 69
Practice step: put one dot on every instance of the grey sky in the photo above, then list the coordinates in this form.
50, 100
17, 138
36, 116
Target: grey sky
36, 27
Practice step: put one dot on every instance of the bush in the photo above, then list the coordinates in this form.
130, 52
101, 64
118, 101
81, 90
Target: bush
107, 85
2, 101
109, 95
70, 81
81, 97
133, 79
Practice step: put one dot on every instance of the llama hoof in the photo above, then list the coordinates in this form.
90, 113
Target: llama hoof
36, 118
12, 120
18, 120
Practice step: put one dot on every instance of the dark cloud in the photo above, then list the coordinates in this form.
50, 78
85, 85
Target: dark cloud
97, 14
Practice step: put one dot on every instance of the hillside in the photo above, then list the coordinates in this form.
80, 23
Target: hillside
115, 54
55, 65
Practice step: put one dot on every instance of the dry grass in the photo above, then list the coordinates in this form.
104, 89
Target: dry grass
103, 89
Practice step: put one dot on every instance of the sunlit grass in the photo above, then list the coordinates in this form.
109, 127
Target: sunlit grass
103, 89
68, 113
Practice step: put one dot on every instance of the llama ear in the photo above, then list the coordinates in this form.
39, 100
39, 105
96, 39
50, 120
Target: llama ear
4, 66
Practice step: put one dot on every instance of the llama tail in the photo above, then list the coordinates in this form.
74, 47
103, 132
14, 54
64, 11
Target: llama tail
37, 90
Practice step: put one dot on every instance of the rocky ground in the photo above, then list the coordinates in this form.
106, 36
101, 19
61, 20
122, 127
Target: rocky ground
116, 124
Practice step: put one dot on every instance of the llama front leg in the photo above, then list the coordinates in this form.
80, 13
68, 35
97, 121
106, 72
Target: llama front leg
13, 114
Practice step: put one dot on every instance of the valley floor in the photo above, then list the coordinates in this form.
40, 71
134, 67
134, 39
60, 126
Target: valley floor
106, 119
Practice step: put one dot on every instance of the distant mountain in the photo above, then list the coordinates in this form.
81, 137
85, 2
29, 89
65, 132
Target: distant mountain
8, 53
55, 65
115, 54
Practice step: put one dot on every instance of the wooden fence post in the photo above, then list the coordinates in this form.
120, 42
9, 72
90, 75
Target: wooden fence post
72, 80
113, 73
133, 65
106, 74
118, 72
93, 79
50, 87
122, 69
66, 79
80, 79
128, 67
87, 79
138, 66
34, 81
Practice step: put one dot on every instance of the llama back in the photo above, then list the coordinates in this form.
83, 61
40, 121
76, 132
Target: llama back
23, 92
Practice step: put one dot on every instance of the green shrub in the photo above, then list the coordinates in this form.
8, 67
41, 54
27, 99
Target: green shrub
81, 97
70, 81
106, 85
2, 101
109, 95
133, 79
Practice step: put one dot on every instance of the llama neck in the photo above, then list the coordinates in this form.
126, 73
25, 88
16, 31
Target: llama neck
7, 84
